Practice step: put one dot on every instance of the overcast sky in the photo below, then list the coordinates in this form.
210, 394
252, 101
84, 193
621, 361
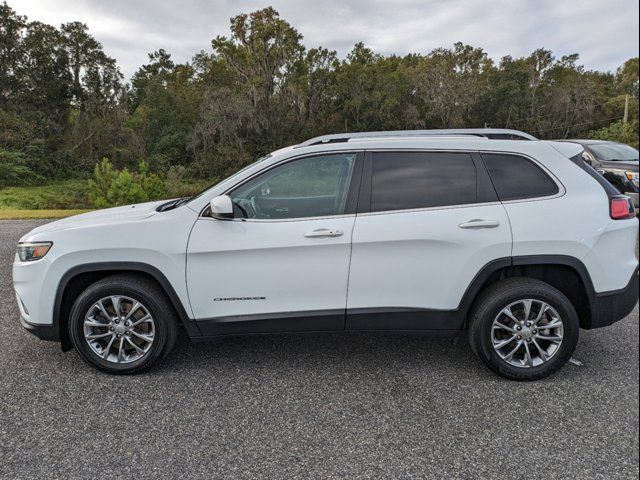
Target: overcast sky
604, 33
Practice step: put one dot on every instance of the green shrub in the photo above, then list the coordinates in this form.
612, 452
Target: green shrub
152, 185
110, 187
618, 132
124, 190
174, 180
103, 177
179, 185
14, 170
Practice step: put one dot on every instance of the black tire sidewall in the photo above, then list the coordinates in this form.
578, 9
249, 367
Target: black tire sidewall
570, 335
105, 289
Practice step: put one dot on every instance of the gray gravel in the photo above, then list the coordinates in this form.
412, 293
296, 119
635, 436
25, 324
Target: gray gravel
312, 407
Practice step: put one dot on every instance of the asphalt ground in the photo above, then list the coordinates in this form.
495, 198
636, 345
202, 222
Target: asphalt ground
340, 406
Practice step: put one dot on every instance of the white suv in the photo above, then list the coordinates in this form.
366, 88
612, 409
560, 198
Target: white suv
515, 240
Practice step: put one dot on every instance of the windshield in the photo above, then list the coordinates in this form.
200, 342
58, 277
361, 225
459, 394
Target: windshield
261, 159
615, 152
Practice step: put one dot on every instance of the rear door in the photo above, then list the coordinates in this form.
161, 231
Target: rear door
427, 223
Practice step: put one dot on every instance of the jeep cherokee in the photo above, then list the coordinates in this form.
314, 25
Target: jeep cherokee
514, 240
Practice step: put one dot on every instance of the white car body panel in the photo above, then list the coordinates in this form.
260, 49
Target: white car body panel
576, 225
155, 239
422, 258
271, 262
413, 259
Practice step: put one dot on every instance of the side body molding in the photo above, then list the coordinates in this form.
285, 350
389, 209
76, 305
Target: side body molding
406, 320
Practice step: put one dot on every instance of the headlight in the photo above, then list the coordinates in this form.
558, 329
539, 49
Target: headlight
27, 252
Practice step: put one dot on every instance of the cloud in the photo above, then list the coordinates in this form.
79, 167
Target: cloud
604, 33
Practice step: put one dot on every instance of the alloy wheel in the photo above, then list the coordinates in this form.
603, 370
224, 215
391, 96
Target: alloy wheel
527, 333
119, 329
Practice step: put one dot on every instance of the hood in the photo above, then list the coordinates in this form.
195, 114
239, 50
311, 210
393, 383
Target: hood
107, 216
619, 165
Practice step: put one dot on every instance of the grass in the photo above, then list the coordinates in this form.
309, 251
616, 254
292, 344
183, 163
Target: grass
19, 214
69, 197
61, 195
74, 194
55, 200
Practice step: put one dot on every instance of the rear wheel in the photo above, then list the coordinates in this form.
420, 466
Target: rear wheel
122, 324
523, 329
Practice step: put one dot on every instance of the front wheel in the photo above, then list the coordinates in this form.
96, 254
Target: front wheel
122, 324
523, 329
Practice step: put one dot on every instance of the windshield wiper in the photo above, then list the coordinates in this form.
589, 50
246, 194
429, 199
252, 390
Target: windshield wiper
171, 204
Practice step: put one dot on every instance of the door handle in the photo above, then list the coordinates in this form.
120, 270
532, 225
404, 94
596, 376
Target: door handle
324, 232
479, 223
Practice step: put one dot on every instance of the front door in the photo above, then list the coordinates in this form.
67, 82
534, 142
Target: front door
282, 263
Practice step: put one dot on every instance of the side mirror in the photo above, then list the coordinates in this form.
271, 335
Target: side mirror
222, 206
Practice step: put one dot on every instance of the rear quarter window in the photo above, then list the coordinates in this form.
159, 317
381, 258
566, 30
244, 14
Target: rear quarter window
515, 177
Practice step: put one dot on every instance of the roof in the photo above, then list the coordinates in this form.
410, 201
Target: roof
488, 133
584, 141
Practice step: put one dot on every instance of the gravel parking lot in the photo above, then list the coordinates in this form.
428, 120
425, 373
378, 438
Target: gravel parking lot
342, 406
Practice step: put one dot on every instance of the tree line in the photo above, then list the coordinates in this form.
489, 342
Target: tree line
64, 104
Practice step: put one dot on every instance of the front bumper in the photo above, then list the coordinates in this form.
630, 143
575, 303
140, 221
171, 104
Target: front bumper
610, 307
43, 332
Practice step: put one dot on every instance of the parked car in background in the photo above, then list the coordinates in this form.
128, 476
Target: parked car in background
518, 242
616, 162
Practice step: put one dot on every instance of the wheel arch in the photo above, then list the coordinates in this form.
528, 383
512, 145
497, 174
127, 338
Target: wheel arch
78, 278
565, 273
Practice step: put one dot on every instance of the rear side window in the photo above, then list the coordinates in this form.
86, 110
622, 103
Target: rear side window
406, 180
516, 177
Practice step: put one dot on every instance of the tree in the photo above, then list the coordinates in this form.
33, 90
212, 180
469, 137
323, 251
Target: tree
43, 70
168, 110
64, 104
11, 31
627, 78
85, 53
159, 69
14, 170
260, 52
448, 83
218, 137
308, 90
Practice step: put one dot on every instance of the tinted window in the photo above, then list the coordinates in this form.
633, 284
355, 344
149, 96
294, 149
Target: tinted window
515, 177
403, 180
309, 187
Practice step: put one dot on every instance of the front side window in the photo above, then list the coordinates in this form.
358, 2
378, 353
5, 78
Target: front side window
516, 177
309, 187
410, 180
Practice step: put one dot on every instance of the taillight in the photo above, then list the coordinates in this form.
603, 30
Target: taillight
621, 208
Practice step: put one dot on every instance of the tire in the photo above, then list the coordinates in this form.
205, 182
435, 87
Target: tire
154, 337
514, 294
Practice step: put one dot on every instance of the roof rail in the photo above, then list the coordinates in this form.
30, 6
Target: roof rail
491, 133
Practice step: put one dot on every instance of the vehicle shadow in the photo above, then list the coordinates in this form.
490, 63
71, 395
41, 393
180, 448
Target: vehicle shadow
361, 354
325, 352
